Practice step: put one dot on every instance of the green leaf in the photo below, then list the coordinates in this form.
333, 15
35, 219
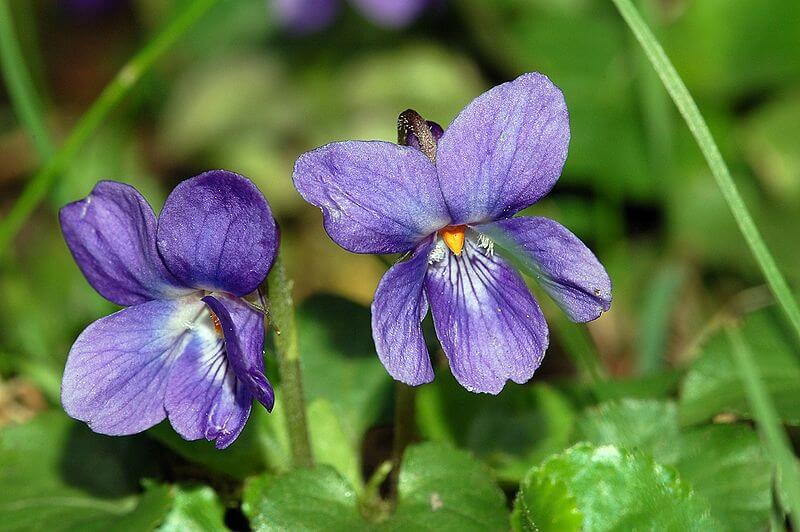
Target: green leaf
195, 509
723, 464
727, 466
339, 361
440, 488
510, 431
304, 499
712, 385
545, 503
331, 445
612, 489
633, 424
57, 475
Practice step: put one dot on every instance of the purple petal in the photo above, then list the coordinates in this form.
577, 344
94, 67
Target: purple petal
217, 232
504, 151
204, 399
117, 369
305, 16
565, 267
397, 311
112, 235
228, 416
211, 386
243, 327
391, 13
490, 327
376, 197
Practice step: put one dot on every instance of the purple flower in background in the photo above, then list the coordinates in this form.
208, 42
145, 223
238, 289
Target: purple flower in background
307, 16
447, 198
188, 346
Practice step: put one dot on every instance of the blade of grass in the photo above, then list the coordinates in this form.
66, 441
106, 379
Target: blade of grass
691, 114
23, 95
768, 422
112, 95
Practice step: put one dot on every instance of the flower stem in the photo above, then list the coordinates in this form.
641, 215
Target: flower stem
778, 444
285, 337
404, 397
691, 114
23, 95
112, 95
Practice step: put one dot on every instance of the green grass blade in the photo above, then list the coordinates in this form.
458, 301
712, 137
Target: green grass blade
23, 95
768, 422
691, 114
112, 95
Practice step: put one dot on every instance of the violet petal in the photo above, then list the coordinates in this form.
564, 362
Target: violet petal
112, 236
504, 151
217, 232
490, 327
565, 267
397, 311
117, 370
376, 197
228, 416
243, 327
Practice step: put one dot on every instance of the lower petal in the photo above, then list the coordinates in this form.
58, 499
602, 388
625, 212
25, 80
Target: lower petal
243, 328
397, 311
567, 270
490, 327
117, 370
212, 385
204, 398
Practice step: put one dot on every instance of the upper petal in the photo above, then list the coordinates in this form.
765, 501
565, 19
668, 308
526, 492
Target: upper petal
397, 311
112, 235
490, 327
505, 150
564, 266
376, 197
116, 373
391, 13
217, 232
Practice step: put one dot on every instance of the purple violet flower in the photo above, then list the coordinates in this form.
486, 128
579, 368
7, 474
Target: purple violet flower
188, 347
308, 16
446, 199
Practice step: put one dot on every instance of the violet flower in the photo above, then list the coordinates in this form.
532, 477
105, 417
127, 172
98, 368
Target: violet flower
188, 346
447, 198
308, 16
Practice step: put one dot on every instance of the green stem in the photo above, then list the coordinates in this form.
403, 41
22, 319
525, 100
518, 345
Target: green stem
404, 397
285, 337
691, 114
20, 87
112, 95
780, 448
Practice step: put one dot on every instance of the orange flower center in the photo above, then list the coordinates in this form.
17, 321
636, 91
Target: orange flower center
453, 236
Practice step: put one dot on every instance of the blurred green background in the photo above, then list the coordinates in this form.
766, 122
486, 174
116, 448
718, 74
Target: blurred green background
241, 93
